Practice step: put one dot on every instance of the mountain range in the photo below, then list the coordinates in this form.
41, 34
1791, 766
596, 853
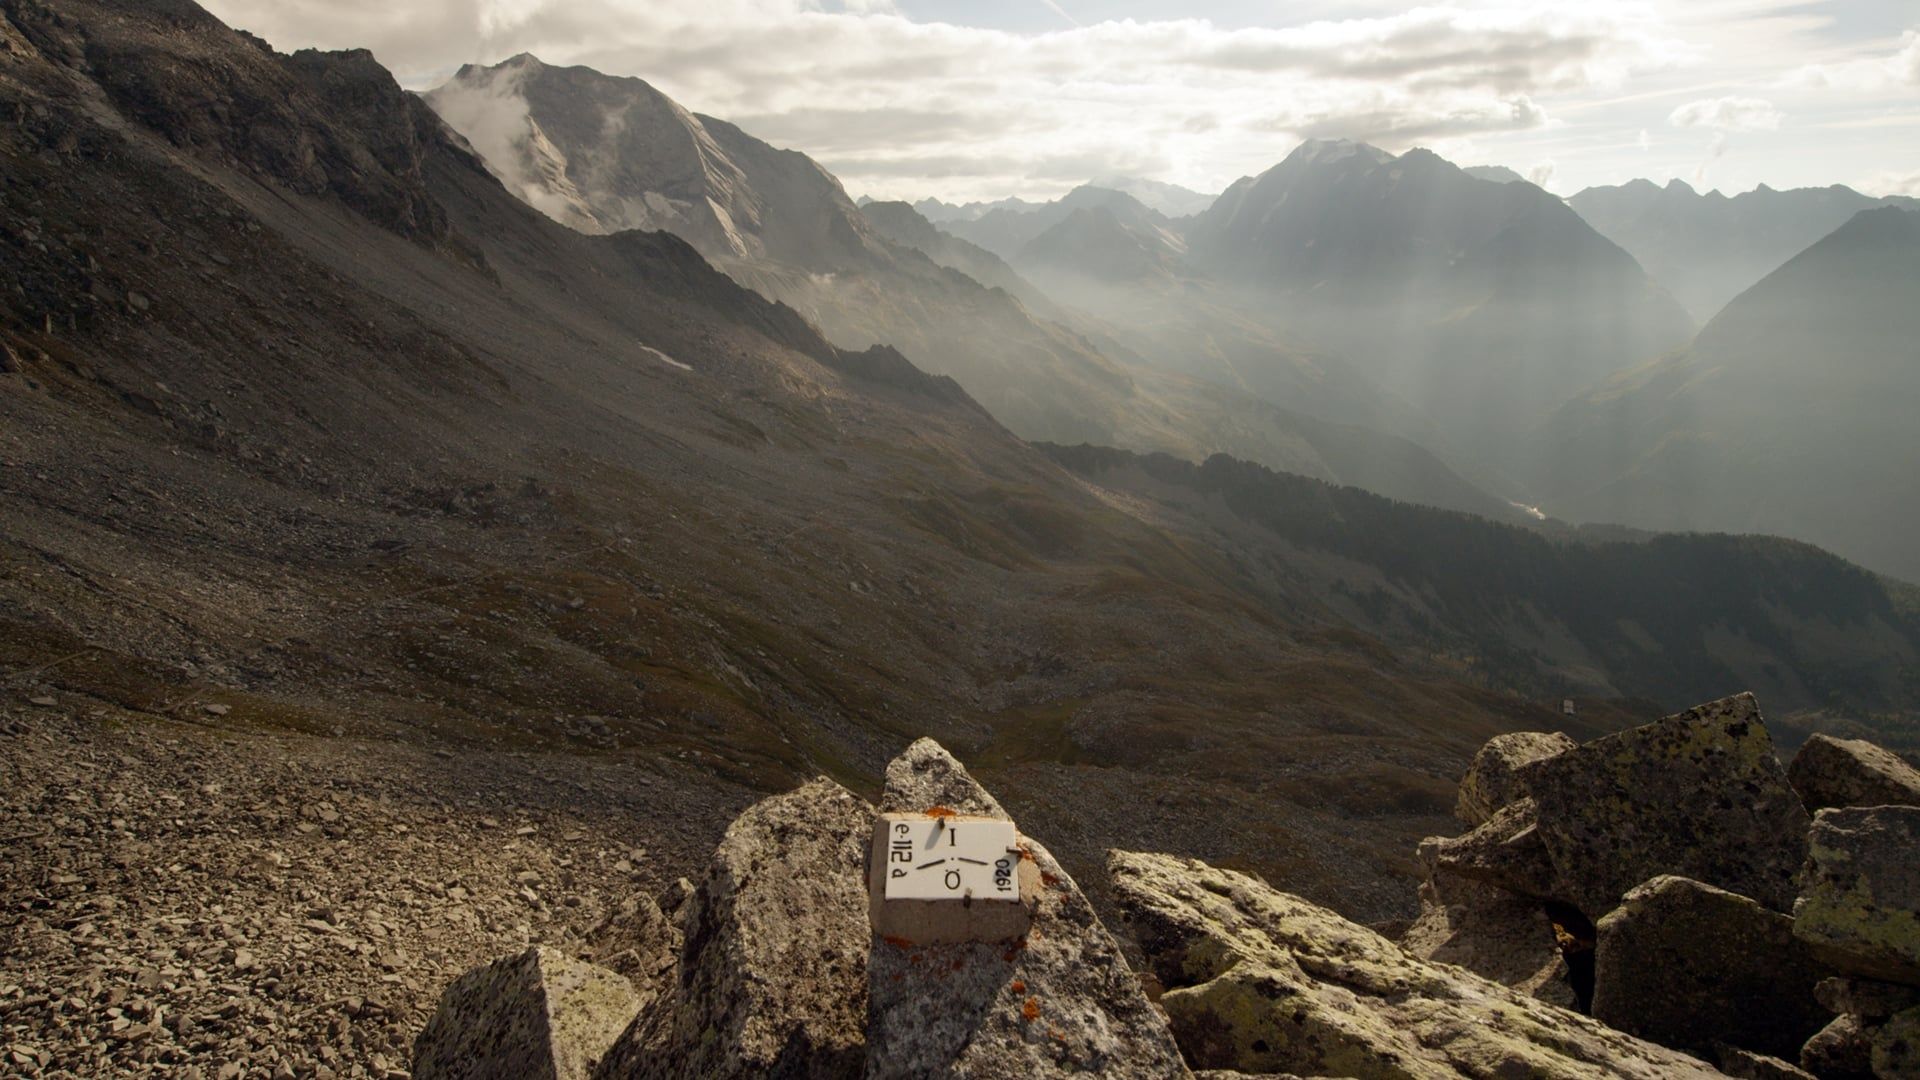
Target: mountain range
1708, 248
312, 424
613, 153
1486, 304
1790, 413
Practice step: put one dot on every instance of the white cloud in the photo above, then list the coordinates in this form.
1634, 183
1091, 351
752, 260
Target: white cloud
1867, 73
1727, 114
1893, 183
904, 108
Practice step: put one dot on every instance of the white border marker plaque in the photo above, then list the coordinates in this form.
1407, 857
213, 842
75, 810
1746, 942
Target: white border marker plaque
945, 858
942, 878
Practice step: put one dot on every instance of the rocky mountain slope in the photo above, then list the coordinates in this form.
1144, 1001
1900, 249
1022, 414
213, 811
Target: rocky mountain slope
1805, 377
1485, 304
1709, 248
1662, 618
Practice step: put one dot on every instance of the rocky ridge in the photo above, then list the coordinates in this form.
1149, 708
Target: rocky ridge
782, 974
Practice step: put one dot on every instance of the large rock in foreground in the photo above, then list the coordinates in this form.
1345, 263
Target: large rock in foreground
1699, 795
1830, 772
771, 979
1692, 966
1492, 781
1063, 999
1490, 932
1861, 908
540, 1015
1261, 981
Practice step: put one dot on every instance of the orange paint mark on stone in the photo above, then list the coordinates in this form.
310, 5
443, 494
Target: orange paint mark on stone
1019, 986
897, 942
941, 812
1031, 1010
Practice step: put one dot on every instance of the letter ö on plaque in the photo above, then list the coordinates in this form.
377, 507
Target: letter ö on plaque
940, 878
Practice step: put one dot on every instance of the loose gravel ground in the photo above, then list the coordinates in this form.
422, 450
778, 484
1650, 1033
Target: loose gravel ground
197, 902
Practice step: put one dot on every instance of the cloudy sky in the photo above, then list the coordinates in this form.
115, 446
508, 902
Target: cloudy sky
967, 99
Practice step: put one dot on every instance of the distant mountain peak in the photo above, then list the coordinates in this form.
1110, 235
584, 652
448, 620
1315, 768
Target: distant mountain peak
1329, 151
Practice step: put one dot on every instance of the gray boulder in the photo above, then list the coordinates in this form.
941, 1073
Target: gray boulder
772, 976
1506, 851
1691, 966
1830, 772
1490, 932
1747, 1065
1699, 794
1896, 1047
540, 1015
1861, 908
1492, 781
1062, 1000
1840, 1051
1868, 999
1260, 981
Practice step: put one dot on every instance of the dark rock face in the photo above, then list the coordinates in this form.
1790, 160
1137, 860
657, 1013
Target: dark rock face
1492, 781
771, 977
1830, 772
1896, 1046
1868, 999
1490, 932
1263, 982
1748, 1065
1507, 851
1062, 1000
1691, 966
1699, 795
540, 1015
1861, 908
1841, 1051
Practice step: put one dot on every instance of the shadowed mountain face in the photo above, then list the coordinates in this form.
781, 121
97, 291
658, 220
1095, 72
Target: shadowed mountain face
1707, 249
316, 421
1791, 412
1007, 230
1485, 304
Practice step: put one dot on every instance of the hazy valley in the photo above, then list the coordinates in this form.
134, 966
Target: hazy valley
532, 448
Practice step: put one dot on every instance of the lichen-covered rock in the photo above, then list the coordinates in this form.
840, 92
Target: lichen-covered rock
1861, 908
1868, 999
540, 1015
1839, 1051
1490, 932
1063, 1000
1747, 1065
1261, 981
1506, 851
1691, 966
1830, 772
1699, 795
772, 977
1896, 1047
1492, 780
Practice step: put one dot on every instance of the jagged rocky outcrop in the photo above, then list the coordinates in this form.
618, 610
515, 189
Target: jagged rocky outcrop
779, 971
542, 1015
1692, 966
1830, 772
1699, 794
1061, 1000
1728, 924
770, 979
1492, 781
1861, 907
1261, 981
775, 964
